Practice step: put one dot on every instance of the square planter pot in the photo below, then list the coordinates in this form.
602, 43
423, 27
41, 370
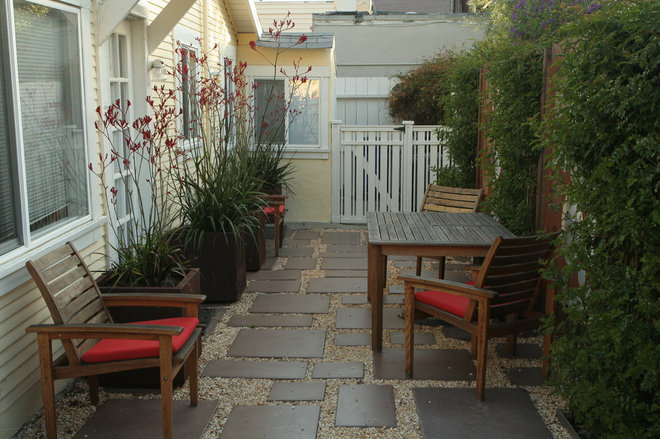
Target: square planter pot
255, 245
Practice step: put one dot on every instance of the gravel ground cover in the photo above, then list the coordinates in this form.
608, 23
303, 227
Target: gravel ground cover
73, 407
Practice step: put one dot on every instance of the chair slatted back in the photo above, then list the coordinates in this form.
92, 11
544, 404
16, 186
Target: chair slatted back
71, 294
512, 268
450, 199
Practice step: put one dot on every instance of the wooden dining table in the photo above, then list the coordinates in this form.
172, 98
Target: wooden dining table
421, 234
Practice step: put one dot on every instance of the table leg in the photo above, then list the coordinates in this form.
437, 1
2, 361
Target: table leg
376, 283
547, 338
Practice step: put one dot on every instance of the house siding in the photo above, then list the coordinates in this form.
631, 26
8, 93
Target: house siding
301, 12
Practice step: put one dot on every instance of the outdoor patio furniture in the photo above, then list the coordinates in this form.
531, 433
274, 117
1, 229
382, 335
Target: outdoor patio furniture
447, 199
275, 211
94, 344
500, 302
427, 234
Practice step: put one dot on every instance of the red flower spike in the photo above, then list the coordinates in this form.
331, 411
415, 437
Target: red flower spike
302, 39
253, 45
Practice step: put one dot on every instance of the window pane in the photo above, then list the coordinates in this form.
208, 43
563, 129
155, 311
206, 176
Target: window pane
269, 120
304, 113
189, 97
51, 114
8, 226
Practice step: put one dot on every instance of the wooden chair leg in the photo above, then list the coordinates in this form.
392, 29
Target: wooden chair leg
166, 390
511, 339
418, 266
93, 383
441, 267
473, 346
190, 369
482, 348
47, 385
409, 307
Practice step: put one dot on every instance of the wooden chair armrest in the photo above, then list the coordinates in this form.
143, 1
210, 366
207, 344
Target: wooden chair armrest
145, 299
105, 330
448, 286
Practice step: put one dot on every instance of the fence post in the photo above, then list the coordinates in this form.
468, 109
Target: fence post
408, 179
336, 171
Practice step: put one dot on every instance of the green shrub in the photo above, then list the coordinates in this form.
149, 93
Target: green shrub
605, 130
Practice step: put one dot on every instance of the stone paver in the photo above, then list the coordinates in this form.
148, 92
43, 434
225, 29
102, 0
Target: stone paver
343, 248
337, 285
307, 234
428, 364
526, 376
274, 275
272, 422
523, 350
295, 263
296, 251
291, 303
395, 289
338, 370
341, 238
262, 320
352, 339
354, 299
273, 286
347, 273
297, 392
457, 333
393, 299
276, 370
344, 264
360, 318
456, 413
365, 405
278, 343
420, 338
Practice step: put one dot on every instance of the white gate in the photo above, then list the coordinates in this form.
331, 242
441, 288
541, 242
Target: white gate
382, 168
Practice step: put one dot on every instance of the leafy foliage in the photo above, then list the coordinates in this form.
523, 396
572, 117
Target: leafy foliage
605, 131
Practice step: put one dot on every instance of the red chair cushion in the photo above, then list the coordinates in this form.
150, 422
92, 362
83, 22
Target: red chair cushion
451, 303
111, 349
271, 210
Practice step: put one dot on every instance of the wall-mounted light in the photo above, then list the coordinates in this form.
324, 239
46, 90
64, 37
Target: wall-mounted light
158, 70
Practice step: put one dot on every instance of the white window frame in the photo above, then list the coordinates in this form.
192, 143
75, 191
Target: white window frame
188, 40
82, 231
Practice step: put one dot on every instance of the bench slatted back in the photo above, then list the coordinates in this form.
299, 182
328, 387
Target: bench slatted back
450, 199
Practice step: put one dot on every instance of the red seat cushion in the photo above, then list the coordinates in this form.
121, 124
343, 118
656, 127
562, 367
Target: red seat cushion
111, 349
451, 303
271, 210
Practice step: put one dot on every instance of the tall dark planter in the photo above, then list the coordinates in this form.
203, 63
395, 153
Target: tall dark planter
255, 245
221, 259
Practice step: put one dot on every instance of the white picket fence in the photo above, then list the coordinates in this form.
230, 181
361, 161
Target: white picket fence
382, 168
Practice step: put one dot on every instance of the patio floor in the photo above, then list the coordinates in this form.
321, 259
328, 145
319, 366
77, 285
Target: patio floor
291, 359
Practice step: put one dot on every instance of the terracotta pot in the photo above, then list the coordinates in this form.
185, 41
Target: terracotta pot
255, 245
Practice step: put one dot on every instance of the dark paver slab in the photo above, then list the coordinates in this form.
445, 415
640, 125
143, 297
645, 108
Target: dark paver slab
395, 289
352, 339
261, 320
272, 422
307, 234
365, 405
396, 299
526, 376
504, 414
344, 255
354, 299
210, 316
457, 333
429, 364
295, 263
297, 392
523, 350
125, 418
360, 318
278, 343
344, 264
337, 285
276, 370
291, 303
420, 338
342, 238
338, 370
297, 251
274, 275
330, 248
346, 273
273, 286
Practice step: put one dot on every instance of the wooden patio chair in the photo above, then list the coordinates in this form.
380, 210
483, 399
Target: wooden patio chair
94, 344
499, 302
447, 199
275, 211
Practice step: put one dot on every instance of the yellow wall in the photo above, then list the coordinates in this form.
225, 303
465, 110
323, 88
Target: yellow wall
312, 187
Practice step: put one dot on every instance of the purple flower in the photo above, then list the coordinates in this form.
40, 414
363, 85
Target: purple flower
593, 8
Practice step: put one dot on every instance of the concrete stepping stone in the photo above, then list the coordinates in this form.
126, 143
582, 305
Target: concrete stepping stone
354, 299
360, 318
395, 289
393, 299
300, 264
272, 422
307, 234
346, 273
297, 392
457, 333
429, 364
307, 252
275, 370
504, 414
337, 285
526, 376
365, 405
273, 286
420, 338
274, 275
338, 370
344, 255
333, 248
278, 343
125, 418
344, 264
523, 350
288, 242
262, 320
352, 339
342, 238
291, 303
